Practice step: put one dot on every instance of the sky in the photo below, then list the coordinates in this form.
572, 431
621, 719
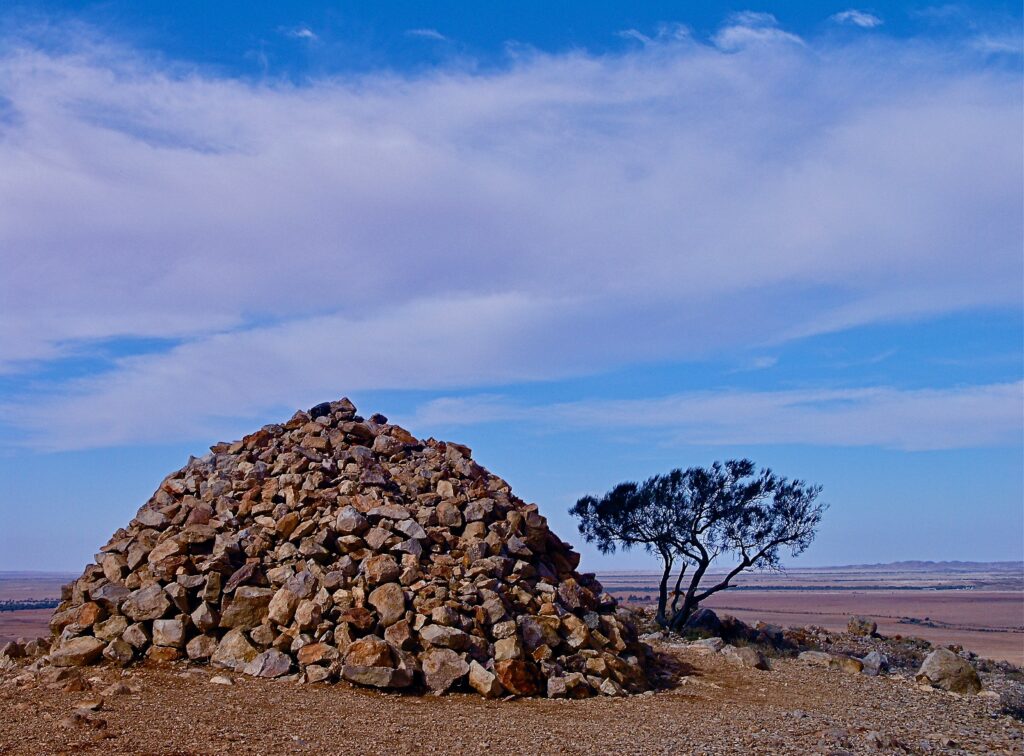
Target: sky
594, 241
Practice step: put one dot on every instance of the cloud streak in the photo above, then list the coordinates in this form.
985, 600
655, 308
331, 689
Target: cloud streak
568, 214
854, 17
909, 420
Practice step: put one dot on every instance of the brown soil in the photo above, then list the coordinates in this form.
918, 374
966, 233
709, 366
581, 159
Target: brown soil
26, 623
989, 623
29, 585
716, 709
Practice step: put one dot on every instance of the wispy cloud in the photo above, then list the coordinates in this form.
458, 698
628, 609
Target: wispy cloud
302, 32
568, 214
751, 28
427, 34
859, 18
912, 420
663, 33
999, 44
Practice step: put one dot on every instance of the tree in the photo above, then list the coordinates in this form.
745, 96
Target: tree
691, 518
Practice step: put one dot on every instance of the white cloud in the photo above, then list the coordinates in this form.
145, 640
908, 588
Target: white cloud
302, 32
427, 34
569, 214
664, 33
749, 28
855, 17
637, 36
998, 44
908, 419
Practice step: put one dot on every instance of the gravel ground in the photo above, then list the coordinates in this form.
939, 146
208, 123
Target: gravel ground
716, 709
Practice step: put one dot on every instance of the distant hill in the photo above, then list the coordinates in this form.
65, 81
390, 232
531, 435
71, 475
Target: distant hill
929, 566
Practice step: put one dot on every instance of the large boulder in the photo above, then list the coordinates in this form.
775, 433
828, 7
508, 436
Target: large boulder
944, 669
745, 656
703, 622
248, 607
234, 651
76, 652
442, 668
271, 663
863, 626
147, 603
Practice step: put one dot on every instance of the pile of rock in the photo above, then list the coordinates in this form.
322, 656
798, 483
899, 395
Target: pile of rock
334, 546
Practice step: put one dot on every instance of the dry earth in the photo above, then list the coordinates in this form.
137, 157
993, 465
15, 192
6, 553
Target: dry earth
716, 709
985, 614
987, 622
27, 623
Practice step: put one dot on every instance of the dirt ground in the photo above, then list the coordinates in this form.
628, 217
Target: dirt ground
990, 623
26, 623
716, 709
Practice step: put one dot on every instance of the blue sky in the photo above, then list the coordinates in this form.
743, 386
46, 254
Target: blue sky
593, 241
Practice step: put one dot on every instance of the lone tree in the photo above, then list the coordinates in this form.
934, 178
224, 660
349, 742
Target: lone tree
690, 518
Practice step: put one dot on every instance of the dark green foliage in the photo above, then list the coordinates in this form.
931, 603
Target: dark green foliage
691, 518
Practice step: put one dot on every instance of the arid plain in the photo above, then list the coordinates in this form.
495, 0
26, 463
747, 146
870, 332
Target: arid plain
979, 606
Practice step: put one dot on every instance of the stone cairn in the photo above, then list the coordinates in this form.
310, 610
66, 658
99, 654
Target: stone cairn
336, 547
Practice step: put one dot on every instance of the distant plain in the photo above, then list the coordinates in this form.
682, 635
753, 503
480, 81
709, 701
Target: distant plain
977, 605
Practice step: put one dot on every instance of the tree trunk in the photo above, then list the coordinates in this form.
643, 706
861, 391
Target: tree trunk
689, 604
661, 617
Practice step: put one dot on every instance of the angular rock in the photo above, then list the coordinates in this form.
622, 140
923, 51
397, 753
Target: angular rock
282, 607
77, 652
317, 653
271, 663
136, 636
875, 663
508, 648
572, 685
377, 677
248, 607
110, 629
444, 637
119, 652
110, 596
370, 651
483, 682
442, 668
745, 656
234, 651
350, 522
708, 645
169, 632
205, 618
389, 601
381, 569
163, 654
862, 626
944, 669
201, 648
517, 677
147, 603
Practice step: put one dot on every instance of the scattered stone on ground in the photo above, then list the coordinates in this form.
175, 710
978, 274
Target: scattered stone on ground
336, 547
713, 708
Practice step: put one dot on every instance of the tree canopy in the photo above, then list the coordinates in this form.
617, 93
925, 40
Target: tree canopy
692, 518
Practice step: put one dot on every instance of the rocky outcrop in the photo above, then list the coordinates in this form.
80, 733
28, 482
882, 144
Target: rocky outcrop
336, 547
